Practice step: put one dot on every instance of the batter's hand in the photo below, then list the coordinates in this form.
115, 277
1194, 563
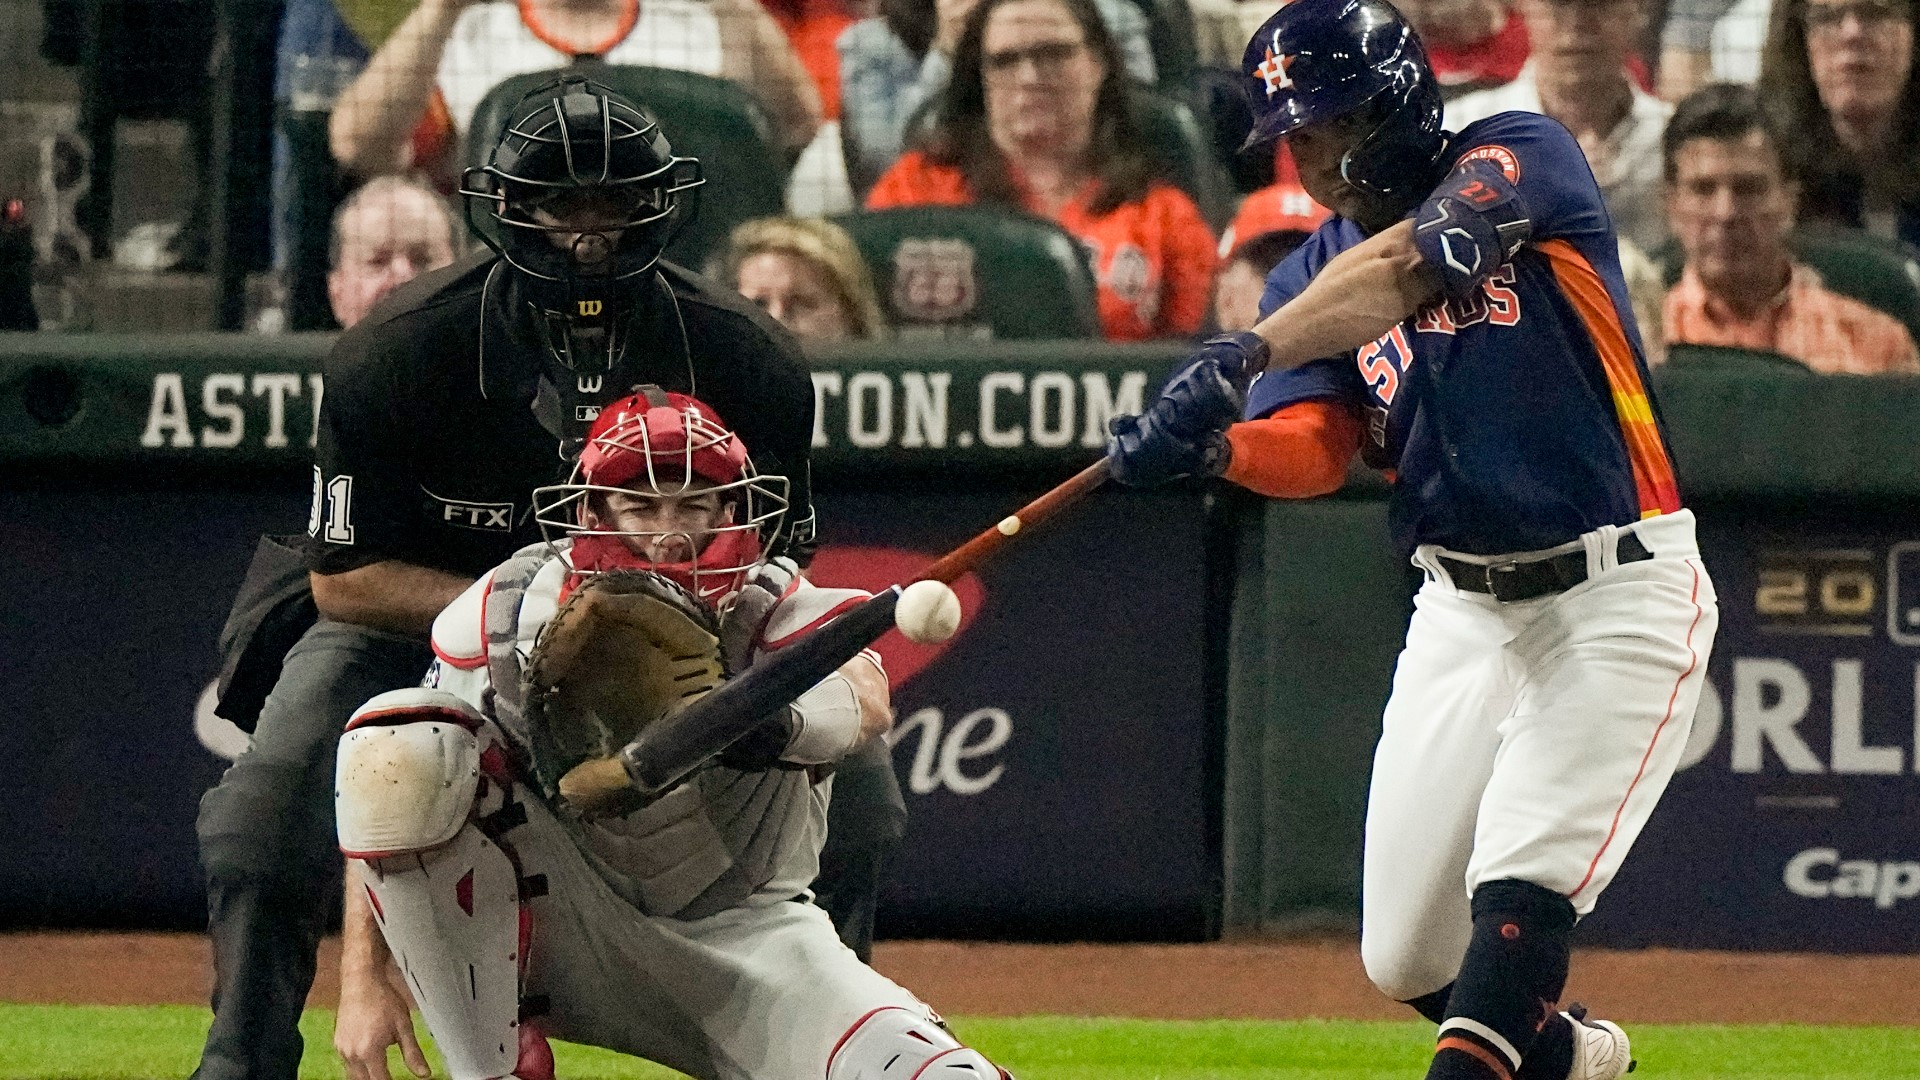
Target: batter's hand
1183, 433
374, 1015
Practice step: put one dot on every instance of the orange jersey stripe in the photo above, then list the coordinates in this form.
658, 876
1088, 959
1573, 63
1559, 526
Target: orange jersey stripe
1652, 470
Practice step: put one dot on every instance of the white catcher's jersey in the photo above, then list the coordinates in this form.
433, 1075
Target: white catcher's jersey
725, 837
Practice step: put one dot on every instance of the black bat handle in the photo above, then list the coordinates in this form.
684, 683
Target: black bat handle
665, 753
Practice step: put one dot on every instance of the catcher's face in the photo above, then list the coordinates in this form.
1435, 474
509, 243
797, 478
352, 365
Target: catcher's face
662, 527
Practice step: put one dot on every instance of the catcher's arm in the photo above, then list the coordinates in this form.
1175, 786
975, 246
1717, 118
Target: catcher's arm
665, 753
830, 715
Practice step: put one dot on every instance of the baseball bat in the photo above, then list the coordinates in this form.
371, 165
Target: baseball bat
664, 754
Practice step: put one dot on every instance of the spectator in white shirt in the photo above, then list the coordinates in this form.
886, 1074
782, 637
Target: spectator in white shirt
386, 234
448, 53
1578, 76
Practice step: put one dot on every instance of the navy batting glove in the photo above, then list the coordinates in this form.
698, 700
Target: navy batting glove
1183, 433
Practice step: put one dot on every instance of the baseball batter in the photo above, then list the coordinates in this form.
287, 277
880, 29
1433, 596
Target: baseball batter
1462, 322
680, 931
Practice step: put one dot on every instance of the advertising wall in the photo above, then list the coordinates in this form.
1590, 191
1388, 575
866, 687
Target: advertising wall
1795, 823
1084, 759
1055, 754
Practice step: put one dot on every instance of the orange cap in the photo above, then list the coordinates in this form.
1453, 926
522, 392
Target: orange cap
1280, 207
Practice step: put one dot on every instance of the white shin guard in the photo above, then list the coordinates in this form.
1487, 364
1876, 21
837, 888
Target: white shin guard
897, 1043
452, 918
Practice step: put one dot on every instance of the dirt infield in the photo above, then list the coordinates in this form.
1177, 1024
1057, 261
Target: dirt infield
1268, 980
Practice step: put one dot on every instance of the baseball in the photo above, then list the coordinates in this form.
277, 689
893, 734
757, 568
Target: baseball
928, 612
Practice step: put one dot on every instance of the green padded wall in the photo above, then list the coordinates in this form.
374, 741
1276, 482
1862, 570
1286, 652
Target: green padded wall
1319, 608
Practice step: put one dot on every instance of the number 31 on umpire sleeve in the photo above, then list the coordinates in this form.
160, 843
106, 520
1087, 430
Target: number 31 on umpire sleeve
333, 502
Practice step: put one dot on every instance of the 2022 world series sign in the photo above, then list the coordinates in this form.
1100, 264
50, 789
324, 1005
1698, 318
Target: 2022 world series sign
1794, 822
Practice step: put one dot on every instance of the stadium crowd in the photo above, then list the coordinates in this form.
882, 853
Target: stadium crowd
1760, 158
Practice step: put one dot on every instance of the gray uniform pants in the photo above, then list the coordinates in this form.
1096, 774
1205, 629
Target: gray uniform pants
271, 856
268, 846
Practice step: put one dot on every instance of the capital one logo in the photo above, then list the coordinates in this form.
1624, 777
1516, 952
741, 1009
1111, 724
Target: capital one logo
956, 758
1821, 874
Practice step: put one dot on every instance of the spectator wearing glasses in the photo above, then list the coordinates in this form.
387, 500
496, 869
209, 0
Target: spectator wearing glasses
1578, 76
1731, 199
895, 63
1839, 74
1038, 117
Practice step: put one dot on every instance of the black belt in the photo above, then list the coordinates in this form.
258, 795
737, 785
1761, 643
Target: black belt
1508, 582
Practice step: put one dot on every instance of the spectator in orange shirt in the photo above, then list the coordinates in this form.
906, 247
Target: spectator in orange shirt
1038, 117
1730, 202
812, 26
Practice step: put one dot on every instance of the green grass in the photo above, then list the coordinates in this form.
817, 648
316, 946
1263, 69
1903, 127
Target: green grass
60, 1042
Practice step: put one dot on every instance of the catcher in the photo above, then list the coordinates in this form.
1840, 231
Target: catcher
519, 902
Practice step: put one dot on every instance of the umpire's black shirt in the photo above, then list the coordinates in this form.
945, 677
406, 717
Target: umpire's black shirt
429, 446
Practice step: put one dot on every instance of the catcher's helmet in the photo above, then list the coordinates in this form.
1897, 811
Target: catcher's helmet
1319, 60
667, 446
580, 194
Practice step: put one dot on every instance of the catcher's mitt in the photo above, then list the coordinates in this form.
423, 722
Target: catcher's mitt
627, 648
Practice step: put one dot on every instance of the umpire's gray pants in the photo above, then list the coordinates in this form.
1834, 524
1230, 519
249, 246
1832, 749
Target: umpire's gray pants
268, 846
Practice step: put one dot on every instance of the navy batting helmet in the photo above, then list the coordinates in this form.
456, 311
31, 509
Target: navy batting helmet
1319, 60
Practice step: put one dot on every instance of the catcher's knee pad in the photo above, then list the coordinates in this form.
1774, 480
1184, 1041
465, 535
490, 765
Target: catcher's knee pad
455, 921
407, 774
898, 1043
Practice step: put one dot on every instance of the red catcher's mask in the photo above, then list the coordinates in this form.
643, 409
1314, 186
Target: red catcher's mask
665, 445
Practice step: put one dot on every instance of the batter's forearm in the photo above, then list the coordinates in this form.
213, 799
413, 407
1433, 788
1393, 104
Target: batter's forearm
387, 595
373, 122
1359, 295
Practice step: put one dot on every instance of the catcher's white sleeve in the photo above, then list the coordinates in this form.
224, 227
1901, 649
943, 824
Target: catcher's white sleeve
828, 714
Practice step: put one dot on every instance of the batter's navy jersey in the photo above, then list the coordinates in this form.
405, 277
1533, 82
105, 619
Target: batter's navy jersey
1519, 418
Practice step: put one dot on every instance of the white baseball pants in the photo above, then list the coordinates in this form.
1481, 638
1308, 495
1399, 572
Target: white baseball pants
1527, 741
758, 992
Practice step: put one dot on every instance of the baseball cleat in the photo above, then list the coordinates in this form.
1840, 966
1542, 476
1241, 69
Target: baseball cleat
1601, 1050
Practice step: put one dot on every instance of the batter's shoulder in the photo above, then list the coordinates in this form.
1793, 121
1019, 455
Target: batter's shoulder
1514, 140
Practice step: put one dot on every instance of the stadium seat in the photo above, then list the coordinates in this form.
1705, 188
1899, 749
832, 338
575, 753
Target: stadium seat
1882, 274
1170, 33
711, 119
1170, 128
969, 272
1724, 358
1226, 118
